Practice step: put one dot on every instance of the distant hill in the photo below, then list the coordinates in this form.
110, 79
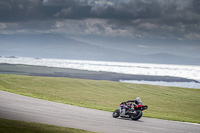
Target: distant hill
57, 46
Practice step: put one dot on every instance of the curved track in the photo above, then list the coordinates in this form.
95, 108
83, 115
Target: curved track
17, 107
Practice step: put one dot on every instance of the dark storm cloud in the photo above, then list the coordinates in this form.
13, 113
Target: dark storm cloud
25, 10
196, 6
16, 10
139, 18
112, 10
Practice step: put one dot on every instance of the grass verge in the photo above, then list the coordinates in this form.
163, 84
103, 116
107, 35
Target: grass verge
13, 126
171, 103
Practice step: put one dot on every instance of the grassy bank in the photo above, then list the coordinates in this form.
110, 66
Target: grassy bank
170, 103
13, 126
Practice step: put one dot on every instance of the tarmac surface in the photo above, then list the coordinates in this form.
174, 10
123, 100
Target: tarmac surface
18, 107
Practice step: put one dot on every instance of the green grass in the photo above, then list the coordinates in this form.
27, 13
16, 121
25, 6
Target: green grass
13, 126
172, 103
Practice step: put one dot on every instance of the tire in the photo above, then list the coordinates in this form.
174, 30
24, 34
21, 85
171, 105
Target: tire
116, 113
137, 116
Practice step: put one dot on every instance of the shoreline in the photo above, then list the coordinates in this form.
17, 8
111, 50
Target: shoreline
32, 70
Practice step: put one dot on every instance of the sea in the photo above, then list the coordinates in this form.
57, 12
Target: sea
183, 71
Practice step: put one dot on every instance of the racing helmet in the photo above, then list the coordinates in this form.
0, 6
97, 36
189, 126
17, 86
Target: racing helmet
139, 100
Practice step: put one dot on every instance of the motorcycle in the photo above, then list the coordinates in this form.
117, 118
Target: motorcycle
131, 110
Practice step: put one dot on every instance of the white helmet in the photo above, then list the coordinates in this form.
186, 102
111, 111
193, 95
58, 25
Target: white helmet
139, 100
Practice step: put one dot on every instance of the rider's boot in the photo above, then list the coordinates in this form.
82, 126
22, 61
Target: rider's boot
122, 112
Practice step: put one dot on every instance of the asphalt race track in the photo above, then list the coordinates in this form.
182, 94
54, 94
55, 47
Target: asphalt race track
17, 107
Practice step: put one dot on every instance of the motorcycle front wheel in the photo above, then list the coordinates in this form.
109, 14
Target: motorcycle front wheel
137, 116
116, 113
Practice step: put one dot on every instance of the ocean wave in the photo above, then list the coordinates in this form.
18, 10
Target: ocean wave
163, 83
183, 71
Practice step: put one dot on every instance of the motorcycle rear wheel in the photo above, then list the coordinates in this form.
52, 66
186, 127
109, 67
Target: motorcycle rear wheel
137, 116
116, 113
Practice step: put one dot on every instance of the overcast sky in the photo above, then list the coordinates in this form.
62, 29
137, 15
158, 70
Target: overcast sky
160, 21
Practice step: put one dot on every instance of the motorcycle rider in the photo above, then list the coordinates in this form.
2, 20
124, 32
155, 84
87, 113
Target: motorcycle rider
123, 105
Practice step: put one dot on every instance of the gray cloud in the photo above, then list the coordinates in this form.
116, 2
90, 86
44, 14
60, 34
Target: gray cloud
16, 10
174, 19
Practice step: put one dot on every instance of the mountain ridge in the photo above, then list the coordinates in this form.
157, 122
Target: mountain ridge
58, 46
